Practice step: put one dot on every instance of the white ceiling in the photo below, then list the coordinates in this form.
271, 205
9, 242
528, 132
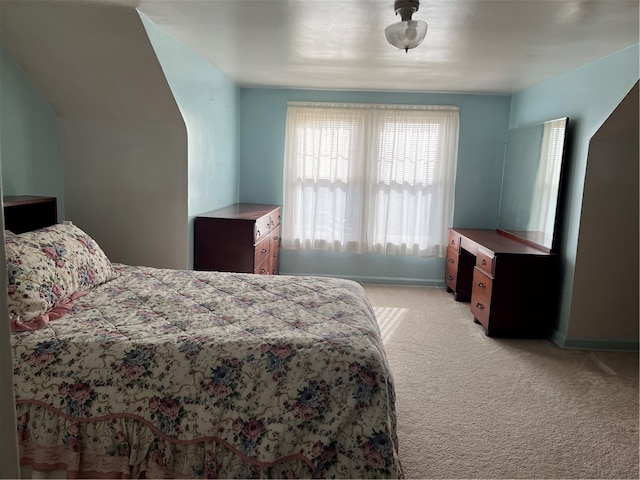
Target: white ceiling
474, 46
478, 46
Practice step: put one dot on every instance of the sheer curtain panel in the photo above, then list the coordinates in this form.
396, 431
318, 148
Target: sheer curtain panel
369, 178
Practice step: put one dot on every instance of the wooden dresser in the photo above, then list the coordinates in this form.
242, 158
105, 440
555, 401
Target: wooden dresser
24, 213
512, 286
243, 237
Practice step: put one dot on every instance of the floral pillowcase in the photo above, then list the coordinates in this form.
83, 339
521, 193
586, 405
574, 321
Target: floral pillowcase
47, 269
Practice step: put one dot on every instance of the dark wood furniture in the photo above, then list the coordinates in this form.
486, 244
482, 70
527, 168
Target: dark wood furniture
24, 213
511, 285
243, 237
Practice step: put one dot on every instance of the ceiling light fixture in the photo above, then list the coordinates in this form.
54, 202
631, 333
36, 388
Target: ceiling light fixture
408, 33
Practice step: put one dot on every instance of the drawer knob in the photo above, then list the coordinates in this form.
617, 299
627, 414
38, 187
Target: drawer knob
258, 233
479, 306
276, 238
263, 270
450, 260
264, 250
449, 277
484, 262
275, 255
480, 284
453, 242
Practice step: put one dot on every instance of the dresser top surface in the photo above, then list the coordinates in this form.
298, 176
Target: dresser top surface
12, 200
498, 242
241, 211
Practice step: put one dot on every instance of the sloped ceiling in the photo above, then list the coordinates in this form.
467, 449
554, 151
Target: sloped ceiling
91, 60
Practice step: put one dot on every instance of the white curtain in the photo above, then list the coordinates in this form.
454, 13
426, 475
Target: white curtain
369, 178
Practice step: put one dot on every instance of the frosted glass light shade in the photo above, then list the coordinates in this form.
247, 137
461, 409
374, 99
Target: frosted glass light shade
407, 34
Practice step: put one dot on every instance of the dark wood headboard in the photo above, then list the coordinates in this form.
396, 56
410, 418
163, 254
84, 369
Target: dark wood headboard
28, 212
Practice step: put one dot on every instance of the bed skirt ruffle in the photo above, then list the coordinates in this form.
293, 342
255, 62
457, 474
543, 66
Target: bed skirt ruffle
121, 447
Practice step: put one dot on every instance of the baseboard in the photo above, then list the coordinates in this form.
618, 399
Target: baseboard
618, 345
405, 282
601, 344
556, 337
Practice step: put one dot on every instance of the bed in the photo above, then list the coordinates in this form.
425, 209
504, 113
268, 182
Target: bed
125, 371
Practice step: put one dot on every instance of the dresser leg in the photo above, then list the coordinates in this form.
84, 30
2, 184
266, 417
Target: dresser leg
486, 330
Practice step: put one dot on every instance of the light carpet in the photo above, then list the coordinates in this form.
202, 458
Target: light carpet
471, 406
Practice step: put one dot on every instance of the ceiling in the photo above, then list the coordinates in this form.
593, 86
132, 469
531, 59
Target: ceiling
478, 46
474, 46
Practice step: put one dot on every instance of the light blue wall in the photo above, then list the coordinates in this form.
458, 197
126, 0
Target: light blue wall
483, 126
208, 101
587, 95
29, 139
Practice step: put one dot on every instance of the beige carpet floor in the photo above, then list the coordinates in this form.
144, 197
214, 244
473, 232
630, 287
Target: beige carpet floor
470, 406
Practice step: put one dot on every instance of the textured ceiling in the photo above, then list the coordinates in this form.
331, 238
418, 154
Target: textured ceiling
475, 46
480, 46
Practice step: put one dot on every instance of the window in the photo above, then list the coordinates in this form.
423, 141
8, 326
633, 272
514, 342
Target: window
369, 178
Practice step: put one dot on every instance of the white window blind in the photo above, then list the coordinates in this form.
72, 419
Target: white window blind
542, 216
369, 178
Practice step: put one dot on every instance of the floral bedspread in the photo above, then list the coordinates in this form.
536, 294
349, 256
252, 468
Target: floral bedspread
165, 373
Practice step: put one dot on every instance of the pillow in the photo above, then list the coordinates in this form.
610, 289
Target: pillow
48, 268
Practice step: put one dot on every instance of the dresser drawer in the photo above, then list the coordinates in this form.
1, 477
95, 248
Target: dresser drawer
275, 217
485, 261
262, 251
274, 240
263, 228
267, 253
454, 241
274, 264
451, 268
481, 296
267, 223
264, 268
